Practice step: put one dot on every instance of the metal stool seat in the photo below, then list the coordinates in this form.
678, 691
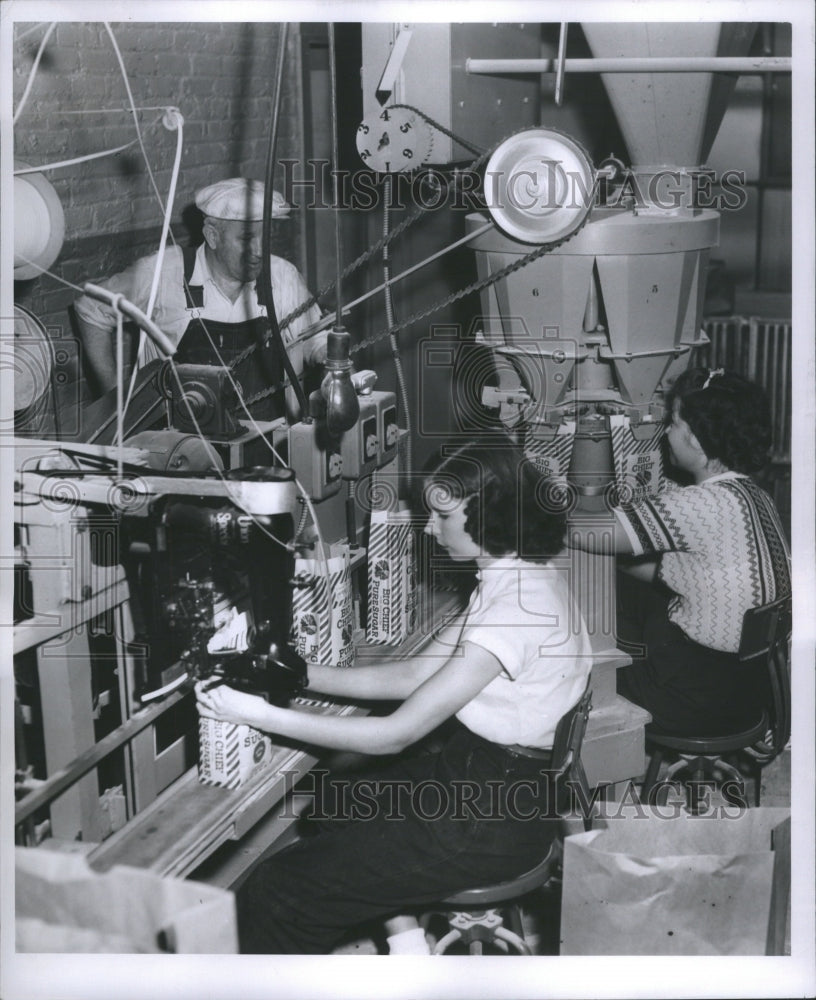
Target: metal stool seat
473, 915
765, 637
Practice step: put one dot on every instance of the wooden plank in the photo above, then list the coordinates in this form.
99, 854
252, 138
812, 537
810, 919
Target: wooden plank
80, 765
64, 671
189, 820
71, 615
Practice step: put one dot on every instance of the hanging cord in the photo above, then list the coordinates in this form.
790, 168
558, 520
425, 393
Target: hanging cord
61, 164
266, 271
172, 120
132, 104
338, 229
33, 73
389, 318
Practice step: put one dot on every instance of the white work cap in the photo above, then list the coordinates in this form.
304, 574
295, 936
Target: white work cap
240, 199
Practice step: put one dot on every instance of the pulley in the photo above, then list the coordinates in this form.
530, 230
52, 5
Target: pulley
538, 186
395, 139
39, 224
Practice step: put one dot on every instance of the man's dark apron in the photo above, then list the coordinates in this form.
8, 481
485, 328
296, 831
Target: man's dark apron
208, 342
263, 368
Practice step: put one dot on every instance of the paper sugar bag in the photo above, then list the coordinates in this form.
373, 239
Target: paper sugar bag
322, 612
686, 885
392, 606
62, 905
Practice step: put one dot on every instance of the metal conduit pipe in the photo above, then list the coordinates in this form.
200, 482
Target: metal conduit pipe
638, 64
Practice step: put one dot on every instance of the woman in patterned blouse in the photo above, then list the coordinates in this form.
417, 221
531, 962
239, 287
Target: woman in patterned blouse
703, 554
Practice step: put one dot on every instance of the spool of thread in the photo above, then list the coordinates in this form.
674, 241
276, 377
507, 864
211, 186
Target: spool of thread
39, 224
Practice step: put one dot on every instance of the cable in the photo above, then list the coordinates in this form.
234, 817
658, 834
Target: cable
58, 165
172, 120
119, 111
51, 274
29, 31
120, 410
266, 273
133, 110
160, 692
33, 73
389, 318
338, 231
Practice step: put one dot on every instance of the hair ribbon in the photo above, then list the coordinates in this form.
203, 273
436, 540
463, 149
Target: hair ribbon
713, 373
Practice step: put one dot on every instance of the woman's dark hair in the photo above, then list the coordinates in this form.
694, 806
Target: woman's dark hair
727, 414
508, 509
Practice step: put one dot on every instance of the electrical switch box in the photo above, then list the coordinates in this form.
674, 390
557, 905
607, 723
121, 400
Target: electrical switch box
388, 428
361, 445
314, 456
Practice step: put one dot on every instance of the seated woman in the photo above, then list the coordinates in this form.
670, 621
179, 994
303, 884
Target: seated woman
706, 553
473, 812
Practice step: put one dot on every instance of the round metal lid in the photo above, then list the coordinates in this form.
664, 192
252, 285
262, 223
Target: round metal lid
538, 186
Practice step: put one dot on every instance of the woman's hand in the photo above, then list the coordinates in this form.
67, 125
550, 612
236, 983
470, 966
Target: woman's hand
229, 705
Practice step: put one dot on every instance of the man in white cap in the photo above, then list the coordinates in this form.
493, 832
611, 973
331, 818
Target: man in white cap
207, 300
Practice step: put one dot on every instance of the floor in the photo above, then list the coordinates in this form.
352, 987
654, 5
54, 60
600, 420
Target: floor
541, 910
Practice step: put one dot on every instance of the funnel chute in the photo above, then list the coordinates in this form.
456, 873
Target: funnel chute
668, 118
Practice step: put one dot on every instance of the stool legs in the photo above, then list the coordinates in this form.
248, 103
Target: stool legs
486, 926
698, 768
652, 774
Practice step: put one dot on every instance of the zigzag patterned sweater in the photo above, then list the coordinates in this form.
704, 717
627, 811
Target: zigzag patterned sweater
723, 551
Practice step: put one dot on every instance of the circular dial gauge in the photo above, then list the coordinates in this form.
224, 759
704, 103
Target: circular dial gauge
395, 139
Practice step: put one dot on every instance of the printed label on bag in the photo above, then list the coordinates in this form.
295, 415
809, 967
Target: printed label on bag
390, 598
230, 754
322, 611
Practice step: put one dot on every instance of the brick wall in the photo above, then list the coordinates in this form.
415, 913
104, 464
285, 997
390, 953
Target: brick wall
219, 75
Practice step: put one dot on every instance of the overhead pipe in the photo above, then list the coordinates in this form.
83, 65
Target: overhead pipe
635, 64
